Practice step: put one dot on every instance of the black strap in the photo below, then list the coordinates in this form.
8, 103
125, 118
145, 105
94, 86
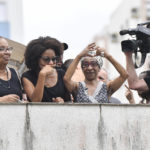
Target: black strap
142, 59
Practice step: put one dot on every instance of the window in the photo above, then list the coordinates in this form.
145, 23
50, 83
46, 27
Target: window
148, 14
114, 37
134, 13
4, 24
3, 12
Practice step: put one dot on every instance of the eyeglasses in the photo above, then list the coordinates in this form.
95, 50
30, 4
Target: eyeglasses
87, 64
6, 49
46, 59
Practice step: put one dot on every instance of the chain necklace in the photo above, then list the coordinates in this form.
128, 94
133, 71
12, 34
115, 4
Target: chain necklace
1, 84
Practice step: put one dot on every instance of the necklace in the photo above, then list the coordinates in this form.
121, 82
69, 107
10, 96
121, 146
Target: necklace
1, 84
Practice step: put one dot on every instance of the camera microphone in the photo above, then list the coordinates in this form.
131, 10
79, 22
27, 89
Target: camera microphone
123, 32
129, 31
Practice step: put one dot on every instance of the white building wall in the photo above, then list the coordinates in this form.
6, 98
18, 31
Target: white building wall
121, 19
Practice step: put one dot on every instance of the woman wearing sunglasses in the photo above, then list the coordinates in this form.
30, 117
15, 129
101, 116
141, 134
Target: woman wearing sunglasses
92, 90
44, 83
10, 86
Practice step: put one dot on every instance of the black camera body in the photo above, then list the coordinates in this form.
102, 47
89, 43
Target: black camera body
141, 43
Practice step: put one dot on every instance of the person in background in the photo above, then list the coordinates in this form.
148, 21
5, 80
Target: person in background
92, 90
103, 76
78, 74
43, 82
10, 86
66, 64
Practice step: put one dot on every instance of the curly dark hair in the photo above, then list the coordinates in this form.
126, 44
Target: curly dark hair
37, 47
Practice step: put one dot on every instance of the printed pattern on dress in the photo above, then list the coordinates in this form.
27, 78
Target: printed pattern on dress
100, 97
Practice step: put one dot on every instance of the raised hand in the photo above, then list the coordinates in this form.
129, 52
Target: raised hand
129, 95
47, 70
101, 52
85, 52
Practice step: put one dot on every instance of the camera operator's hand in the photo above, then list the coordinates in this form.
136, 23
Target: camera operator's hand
134, 82
128, 53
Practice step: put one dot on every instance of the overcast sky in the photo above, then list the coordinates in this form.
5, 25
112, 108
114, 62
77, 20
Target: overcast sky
75, 22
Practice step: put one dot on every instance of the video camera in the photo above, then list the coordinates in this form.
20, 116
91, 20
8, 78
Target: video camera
141, 43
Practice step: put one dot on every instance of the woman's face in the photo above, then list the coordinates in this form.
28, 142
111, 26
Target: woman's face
90, 68
5, 52
48, 58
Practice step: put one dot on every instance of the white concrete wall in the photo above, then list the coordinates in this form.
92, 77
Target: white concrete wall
74, 127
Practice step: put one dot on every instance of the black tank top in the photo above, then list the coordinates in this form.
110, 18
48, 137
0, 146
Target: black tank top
11, 86
59, 90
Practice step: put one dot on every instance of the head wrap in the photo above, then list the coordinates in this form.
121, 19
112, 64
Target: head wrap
98, 59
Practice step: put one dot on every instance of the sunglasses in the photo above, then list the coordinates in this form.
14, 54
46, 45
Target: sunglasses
6, 49
46, 59
87, 64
